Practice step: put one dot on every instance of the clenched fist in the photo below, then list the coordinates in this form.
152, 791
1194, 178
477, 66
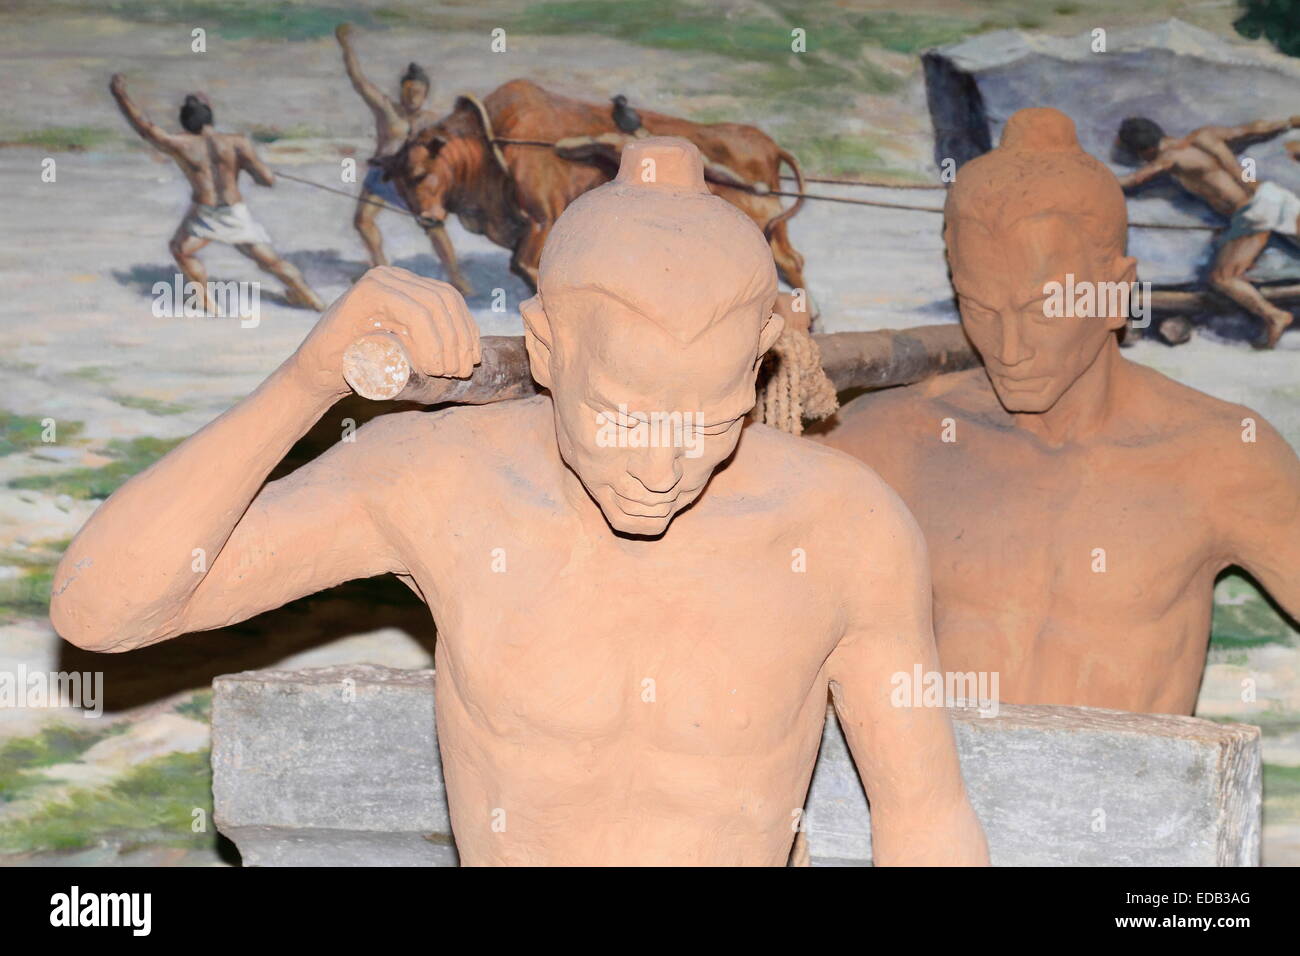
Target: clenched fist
427, 317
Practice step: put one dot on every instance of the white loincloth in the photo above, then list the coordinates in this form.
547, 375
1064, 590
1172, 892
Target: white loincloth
1273, 209
233, 224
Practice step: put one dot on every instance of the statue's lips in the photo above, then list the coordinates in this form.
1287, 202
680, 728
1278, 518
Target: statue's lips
643, 509
1023, 384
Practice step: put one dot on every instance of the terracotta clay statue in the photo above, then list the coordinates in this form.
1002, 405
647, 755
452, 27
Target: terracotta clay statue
641, 603
1077, 506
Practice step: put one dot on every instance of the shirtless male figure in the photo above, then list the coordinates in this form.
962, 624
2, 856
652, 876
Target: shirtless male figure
1204, 163
1077, 506
212, 162
636, 634
394, 124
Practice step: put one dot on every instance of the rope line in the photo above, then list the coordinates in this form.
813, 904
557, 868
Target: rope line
343, 192
836, 181
851, 201
847, 200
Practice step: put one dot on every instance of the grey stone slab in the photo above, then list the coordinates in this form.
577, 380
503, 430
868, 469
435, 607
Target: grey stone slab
339, 766
1075, 786
325, 760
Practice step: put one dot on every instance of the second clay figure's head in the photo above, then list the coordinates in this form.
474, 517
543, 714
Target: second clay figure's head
1036, 233
653, 310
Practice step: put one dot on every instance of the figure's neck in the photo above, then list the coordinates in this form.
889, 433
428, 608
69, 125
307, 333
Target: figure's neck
1086, 407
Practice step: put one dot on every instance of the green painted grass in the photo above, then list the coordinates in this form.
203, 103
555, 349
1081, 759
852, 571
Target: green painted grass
833, 55
131, 456
1281, 793
153, 406
153, 804
1244, 619
912, 33
56, 744
95, 374
28, 594
197, 707
240, 19
23, 432
61, 138
844, 155
273, 134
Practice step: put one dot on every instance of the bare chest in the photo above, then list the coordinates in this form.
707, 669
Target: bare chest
695, 649
1108, 535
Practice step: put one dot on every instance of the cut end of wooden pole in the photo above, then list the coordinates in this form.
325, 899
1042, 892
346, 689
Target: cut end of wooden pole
376, 366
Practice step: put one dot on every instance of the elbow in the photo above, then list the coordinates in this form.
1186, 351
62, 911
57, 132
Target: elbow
86, 617
928, 845
79, 627
946, 833
93, 631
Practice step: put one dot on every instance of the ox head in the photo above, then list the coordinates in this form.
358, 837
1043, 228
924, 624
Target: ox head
421, 178
439, 168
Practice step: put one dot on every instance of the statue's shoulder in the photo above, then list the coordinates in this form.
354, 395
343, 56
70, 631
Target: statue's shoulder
900, 414
1159, 403
474, 436
810, 471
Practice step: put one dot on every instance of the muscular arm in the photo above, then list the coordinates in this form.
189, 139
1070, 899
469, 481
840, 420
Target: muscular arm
250, 161
1145, 174
906, 756
132, 576
371, 94
1238, 137
1260, 510
148, 130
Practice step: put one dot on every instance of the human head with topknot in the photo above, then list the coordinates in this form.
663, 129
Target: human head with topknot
1036, 232
654, 308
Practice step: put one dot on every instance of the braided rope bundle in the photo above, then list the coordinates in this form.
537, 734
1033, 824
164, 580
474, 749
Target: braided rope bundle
794, 386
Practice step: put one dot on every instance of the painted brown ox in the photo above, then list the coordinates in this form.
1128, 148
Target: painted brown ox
511, 192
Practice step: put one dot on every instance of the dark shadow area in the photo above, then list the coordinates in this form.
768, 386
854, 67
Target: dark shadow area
324, 267
227, 852
185, 663
141, 278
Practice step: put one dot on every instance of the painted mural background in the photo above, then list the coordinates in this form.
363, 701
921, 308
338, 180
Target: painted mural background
80, 343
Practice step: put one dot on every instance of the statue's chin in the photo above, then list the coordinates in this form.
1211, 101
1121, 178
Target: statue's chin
1026, 401
636, 524
1020, 406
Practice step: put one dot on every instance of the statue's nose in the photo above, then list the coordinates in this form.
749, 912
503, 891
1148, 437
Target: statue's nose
657, 469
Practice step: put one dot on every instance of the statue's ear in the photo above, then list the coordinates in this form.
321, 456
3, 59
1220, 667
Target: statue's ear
537, 337
772, 330
1126, 267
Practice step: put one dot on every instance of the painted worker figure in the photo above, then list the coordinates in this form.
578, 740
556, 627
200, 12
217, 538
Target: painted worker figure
212, 162
1204, 162
641, 603
395, 122
1077, 506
